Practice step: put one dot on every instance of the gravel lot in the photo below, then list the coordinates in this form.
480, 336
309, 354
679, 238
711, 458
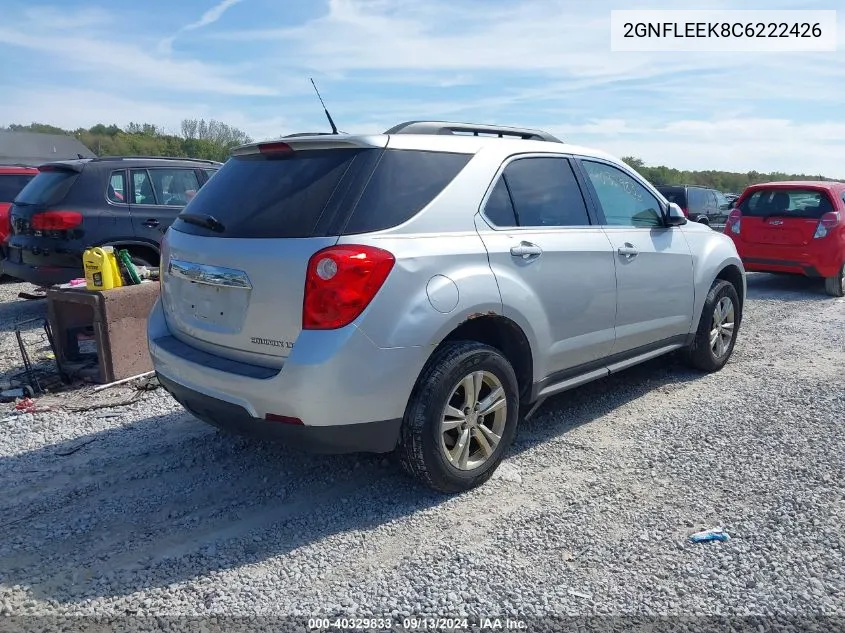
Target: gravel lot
589, 514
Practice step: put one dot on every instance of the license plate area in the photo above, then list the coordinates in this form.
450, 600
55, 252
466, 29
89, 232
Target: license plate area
211, 307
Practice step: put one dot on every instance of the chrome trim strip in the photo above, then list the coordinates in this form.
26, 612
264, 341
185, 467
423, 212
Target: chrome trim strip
209, 275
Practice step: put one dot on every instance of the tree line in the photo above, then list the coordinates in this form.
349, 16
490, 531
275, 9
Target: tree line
198, 138
214, 140
727, 181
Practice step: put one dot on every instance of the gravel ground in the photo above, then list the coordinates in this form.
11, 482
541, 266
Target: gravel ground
589, 515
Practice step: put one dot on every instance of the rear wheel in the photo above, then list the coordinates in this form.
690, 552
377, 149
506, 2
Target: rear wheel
716, 335
461, 417
835, 286
703, 219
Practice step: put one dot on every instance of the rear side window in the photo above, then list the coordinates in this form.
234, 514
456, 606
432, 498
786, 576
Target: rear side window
499, 207
404, 182
287, 195
12, 184
47, 188
798, 203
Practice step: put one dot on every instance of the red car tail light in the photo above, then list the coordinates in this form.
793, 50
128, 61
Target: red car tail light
827, 222
733, 222
56, 220
275, 148
341, 282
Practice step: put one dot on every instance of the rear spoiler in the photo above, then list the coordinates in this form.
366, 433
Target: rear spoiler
61, 166
297, 143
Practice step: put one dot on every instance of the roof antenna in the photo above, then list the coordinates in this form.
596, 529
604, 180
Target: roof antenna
325, 109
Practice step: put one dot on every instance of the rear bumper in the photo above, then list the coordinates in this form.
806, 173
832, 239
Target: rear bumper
822, 259
349, 393
41, 275
370, 437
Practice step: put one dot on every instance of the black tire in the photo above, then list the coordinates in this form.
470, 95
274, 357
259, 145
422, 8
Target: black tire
700, 353
420, 451
835, 286
702, 219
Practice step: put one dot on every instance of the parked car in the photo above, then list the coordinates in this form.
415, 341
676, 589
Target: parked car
13, 178
424, 289
793, 227
72, 205
700, 204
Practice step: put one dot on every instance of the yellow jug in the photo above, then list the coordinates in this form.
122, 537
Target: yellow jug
101, 269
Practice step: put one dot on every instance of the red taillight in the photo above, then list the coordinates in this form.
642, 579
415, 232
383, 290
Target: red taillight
340, 283
275, 148
827, 222
733, 222
56, 220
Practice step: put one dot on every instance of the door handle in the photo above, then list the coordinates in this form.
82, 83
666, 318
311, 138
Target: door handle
628, 251
526, 250
151, 223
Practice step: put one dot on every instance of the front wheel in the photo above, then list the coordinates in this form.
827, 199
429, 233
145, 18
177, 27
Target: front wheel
461, 417
835, 286
717, 329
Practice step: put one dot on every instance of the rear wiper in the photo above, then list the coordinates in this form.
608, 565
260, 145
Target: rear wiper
205, 221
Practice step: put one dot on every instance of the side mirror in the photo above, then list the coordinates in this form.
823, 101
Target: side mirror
674, 216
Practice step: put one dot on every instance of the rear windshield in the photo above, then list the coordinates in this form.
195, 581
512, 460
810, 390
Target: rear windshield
11, 185
47, 188
320, 192
675, 195
799, 203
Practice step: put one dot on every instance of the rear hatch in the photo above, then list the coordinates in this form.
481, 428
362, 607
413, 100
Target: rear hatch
677, 195
36, 207
782, 216
235, 261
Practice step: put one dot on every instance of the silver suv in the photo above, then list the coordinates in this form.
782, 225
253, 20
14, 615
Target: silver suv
424, 289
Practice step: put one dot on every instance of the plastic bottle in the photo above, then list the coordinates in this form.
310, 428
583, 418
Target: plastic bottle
101, 269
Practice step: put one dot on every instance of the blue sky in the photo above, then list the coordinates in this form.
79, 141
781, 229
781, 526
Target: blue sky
536, 63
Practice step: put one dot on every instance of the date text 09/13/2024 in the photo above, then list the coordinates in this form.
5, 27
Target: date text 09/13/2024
417, 624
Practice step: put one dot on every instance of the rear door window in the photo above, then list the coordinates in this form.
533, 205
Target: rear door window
12, 184
142, 188
676, 195
545, 193
782, 202
49, 187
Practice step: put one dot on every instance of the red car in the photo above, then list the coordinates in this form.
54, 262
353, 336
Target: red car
792, 227
13, 178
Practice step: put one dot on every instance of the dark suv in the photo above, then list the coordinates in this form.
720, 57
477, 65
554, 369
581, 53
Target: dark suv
72, 205
699, 204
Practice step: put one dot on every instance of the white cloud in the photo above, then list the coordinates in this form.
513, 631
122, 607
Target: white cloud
209, 17
93, 51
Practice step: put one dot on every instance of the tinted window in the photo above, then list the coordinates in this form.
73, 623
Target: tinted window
142, 188
288, 195
625, 202
116, 191
11, 185
174, 187
48, 187
678, 195
799, 203
271, 195
499, 207
545, 193
404, 182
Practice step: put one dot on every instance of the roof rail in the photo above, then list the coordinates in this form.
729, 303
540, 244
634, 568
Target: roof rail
183, 158
447, 127
297, 134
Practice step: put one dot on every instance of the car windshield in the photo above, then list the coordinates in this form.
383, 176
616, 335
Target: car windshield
798, 203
